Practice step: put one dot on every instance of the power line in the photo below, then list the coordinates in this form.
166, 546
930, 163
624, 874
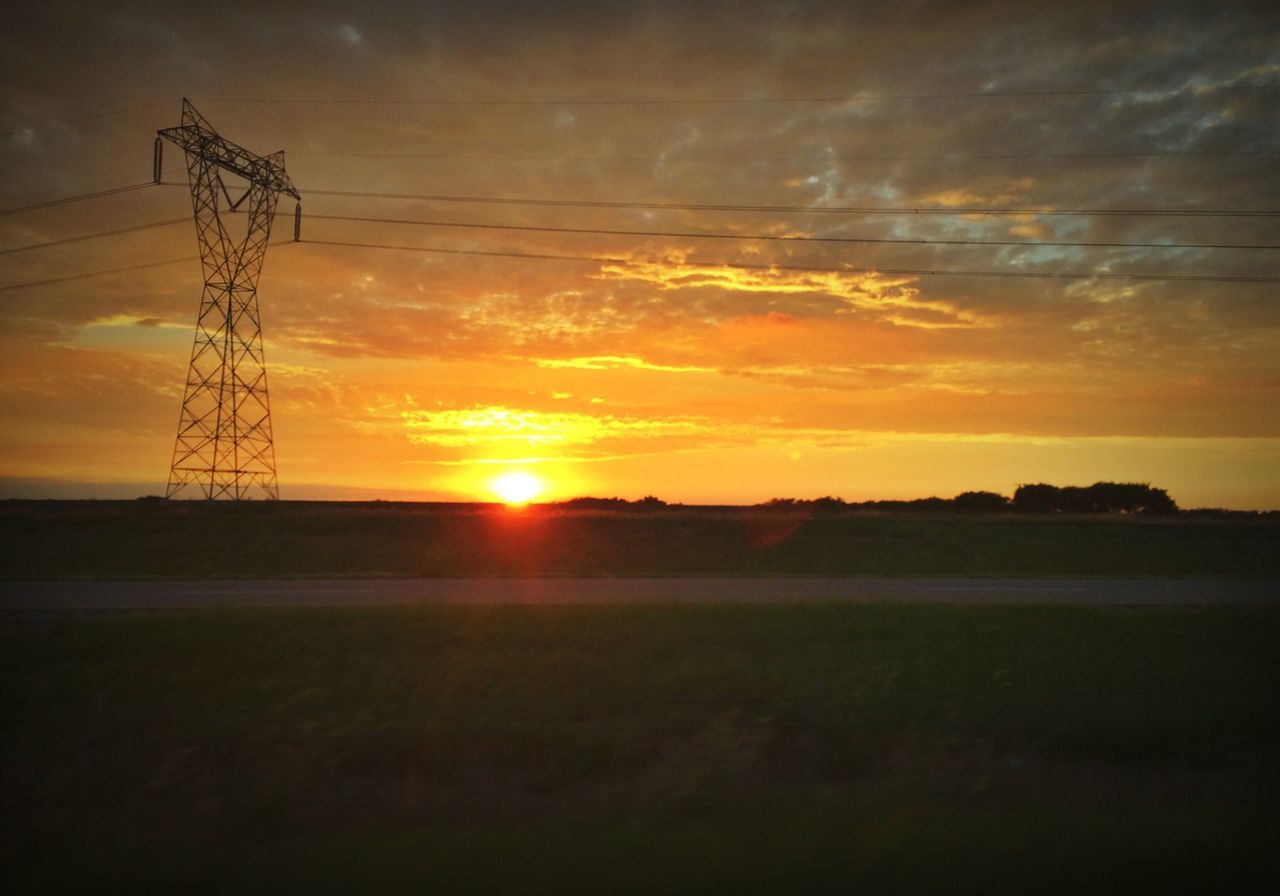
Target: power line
853, 97
78, 198
54, 191
124, 270
916, 272
102, 273
799, 239
49, 123
645, 160
94, 236
851, 210
630, 262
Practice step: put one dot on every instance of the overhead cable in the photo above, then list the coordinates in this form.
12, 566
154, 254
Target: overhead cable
124, 270
60, 122
820, 269
679, 234
806, 209
50, 203
665, 159
855, 96
94, 236
102, 273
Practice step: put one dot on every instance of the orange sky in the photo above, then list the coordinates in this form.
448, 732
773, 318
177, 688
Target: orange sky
404, 374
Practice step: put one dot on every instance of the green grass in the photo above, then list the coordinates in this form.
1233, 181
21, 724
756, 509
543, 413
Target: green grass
91, 539
714, 748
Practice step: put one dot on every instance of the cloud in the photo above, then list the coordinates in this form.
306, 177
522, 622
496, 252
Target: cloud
891, 299
792, 352
503, 427
613, 362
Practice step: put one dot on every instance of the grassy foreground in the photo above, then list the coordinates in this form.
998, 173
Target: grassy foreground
132, 539
801, 748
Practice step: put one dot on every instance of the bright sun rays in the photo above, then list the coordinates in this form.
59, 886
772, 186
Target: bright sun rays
517, 488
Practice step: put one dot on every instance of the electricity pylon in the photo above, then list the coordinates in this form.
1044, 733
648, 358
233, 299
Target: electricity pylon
224, 447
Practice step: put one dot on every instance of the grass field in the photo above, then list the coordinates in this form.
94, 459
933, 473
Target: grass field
132, 539
802, 748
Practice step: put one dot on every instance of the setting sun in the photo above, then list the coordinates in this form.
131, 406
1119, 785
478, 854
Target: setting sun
517, 488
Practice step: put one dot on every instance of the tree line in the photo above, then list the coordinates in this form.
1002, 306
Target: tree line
1101, 497
1040, 497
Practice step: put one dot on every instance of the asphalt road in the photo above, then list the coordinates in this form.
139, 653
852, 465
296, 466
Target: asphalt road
55, 596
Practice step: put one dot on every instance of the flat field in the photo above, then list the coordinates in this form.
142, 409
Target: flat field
642, 749
193, 540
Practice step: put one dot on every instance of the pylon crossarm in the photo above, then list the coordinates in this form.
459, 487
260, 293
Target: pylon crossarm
197, 138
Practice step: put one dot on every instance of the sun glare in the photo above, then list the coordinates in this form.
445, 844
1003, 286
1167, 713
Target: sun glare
517, 487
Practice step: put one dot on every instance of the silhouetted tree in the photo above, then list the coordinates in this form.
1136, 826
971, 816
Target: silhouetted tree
933, 502
1038, 498
1101, 497
1074, 499
1130, 497
980, 502
828, 503
589, 503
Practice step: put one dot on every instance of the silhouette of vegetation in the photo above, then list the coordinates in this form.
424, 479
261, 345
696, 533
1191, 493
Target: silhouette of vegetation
1101, 497
588, 503
980, 502
648, 502
1038, 498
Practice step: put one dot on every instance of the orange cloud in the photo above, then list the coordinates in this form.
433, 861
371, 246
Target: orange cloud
892, 299
613, 362
501, 427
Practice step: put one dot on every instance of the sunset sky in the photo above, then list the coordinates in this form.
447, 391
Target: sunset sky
648, 364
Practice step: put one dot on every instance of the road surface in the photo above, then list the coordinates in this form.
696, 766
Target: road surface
54, 596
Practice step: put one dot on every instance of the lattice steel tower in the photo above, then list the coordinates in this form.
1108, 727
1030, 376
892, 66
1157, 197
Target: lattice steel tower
224, 447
